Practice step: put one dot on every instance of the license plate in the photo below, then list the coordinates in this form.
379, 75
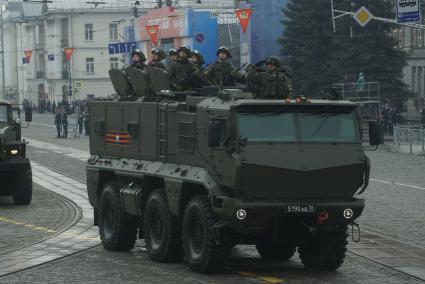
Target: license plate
300, 209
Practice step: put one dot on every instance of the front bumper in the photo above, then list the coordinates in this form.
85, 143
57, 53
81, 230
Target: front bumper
260, 214
16, 164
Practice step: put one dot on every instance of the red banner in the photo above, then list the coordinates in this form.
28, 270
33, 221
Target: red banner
243, 16
153, 32
68, 52
28, 54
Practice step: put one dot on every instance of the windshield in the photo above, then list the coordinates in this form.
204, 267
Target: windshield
298, 126
267, 127
3, 113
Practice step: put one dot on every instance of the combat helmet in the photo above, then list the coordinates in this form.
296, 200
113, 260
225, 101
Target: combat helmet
196, 53
224, 49
273, 60
186, 49
140, 53
173, 51
158, 51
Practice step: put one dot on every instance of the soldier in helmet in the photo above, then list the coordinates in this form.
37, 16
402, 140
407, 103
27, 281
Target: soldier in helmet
221, 72
180, 72
273, 82
197, 59
157, 56
138, 59
173, 54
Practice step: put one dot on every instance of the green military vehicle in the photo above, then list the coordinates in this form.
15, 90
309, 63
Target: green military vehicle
196, 173
15, 168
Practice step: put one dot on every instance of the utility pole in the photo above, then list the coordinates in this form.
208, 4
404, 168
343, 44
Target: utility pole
2, 51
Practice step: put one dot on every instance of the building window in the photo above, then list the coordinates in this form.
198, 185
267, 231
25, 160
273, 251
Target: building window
114, 62
88, 31
113, 32
419, 74
89, 65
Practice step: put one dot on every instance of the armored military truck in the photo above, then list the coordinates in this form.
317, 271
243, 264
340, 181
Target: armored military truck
15, 168
195, 174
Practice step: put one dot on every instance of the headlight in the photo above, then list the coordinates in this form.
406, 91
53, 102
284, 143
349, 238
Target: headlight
14, 152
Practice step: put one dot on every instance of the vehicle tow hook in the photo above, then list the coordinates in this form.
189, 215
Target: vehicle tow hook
354, 226
216, 229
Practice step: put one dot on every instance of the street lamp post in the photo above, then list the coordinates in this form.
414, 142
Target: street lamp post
2, 51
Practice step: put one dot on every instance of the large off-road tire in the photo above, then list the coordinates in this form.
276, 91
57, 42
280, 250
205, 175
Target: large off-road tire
161, 229
202, 252
22, 193
326, 251
117, 229
271, 248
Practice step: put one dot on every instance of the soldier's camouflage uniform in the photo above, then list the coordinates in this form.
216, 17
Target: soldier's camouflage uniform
222, 73
272, 84
180, 75
157, 64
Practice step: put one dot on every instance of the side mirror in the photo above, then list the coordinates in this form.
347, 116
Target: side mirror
28, 114
376, 133
215, 132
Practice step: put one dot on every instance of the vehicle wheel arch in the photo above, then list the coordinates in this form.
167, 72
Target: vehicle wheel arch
150, 183
187, 192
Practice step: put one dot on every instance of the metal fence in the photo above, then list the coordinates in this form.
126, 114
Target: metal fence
414, 137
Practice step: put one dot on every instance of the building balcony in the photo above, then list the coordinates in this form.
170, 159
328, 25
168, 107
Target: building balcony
40, 75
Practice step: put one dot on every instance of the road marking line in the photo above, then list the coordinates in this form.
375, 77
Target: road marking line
269, 279
43, 124
382, 181
39, 228
397, 183
408, 185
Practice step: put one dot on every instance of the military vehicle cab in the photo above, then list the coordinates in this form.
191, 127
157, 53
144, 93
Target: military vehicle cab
196, 174
15, 168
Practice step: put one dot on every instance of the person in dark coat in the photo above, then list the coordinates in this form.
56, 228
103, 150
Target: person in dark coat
80, 122
86, 123
64, 122
386, 118
58, 119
